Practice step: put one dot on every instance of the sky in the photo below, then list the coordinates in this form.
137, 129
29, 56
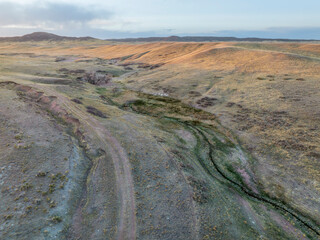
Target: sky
107, 19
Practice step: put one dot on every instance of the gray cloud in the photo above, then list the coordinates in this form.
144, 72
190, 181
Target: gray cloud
44, 13
75, 20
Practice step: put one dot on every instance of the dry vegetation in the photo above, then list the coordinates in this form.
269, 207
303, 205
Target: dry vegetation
159, 140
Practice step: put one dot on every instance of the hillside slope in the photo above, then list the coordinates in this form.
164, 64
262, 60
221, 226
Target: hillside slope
42, 36
159, 141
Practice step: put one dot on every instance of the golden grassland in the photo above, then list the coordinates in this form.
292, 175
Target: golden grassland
265, 95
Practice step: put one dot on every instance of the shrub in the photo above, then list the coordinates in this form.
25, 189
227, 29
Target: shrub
56, 219
95, 112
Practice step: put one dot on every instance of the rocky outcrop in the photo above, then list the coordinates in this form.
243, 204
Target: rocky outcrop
97, 78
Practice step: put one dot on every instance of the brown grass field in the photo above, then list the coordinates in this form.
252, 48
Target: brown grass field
177, 141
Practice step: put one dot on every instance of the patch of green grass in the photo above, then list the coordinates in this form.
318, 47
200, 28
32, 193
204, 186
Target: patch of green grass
159, 98
223, 147
116, 72
141, 54
139, 102
181, 140
158, 106
126, 57
234, 174
101, 90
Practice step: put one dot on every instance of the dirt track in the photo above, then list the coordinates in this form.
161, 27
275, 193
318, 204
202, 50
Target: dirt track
127, 222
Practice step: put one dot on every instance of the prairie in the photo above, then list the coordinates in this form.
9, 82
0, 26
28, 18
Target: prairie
165, 140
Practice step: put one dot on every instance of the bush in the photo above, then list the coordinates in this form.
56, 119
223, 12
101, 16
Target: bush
56, 219
95, 112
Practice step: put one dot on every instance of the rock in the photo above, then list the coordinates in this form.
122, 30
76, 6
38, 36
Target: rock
97, 78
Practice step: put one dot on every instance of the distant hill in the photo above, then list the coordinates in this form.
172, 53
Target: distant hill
203, 39
42, 36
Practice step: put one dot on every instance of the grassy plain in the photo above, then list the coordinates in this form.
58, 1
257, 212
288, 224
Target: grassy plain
187, 141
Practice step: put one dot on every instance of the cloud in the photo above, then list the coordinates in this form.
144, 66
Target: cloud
66, 17
41, 14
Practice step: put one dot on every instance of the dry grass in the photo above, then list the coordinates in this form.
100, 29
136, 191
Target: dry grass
243, 85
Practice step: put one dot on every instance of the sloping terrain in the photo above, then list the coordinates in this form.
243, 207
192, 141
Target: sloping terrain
42, 36
159, 141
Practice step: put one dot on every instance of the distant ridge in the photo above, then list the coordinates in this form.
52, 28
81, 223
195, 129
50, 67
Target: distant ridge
42, 36
205, 39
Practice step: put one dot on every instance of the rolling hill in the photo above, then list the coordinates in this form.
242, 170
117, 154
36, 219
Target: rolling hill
42, 36
159, 140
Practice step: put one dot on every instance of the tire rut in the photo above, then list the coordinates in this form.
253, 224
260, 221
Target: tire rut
127, 221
